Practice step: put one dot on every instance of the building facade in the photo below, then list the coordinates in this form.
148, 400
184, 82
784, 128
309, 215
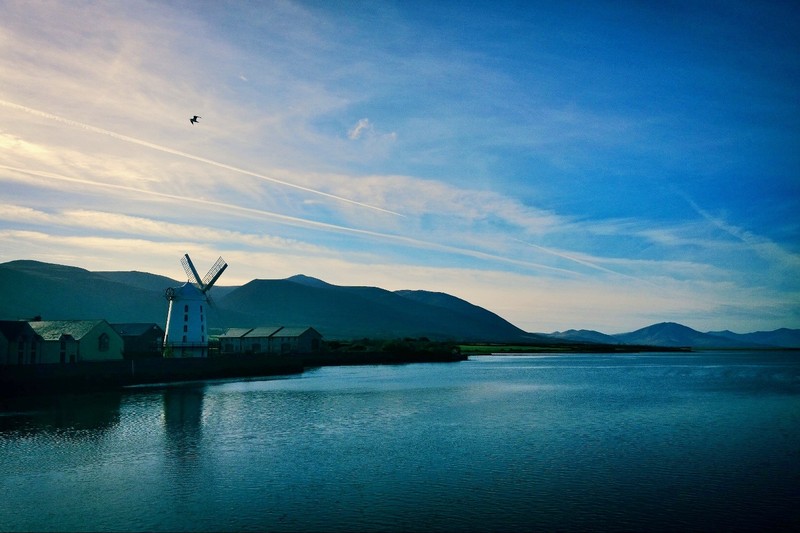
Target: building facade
296, 340
72, 341
141, 339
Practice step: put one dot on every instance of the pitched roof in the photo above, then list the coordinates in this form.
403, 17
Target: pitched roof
264, 331
52, 330
295, 331
235, 332
267, 331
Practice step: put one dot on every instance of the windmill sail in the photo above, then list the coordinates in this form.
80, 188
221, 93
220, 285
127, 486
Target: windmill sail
191, 272
213, 274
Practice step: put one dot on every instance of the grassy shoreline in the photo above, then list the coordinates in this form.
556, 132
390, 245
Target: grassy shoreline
510, 349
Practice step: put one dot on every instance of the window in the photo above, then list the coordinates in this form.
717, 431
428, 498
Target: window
186, 308
103, 343
185, 328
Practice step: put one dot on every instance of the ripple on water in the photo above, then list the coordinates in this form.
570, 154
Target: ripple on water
543, 443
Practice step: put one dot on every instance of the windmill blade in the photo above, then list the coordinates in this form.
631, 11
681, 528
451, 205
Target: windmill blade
213, 274
191, 272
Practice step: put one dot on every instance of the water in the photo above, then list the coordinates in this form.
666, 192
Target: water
576, 442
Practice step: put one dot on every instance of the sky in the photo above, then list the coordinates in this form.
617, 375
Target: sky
566, 165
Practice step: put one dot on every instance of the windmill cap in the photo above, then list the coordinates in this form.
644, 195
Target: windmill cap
188, 291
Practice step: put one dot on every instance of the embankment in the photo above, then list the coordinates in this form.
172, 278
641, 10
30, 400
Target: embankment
89, 376
83, 376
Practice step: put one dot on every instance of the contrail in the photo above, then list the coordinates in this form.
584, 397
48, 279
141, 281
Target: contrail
296, 221
165, 149
579, 261
762, 246
568, 257
259, 212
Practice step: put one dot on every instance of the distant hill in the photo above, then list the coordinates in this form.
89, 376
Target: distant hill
56, 292
471, 315
141, 280
672, 334
787, 338
584, 335
352, 312
32, 288
308, 280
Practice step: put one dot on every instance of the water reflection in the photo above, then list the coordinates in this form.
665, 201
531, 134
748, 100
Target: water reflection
567, 443
71, 416
183, 420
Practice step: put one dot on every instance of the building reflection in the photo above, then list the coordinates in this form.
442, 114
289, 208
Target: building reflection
72, 416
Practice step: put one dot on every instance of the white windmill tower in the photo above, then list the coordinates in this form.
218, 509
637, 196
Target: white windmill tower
186, 331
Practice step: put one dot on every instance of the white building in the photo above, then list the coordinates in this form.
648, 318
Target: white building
186, 334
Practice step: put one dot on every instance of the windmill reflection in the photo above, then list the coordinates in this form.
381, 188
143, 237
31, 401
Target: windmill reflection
183, 420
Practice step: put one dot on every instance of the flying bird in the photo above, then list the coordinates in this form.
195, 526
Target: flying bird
194, 119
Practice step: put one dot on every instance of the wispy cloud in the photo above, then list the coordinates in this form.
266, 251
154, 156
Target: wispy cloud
295, 221
171, 151
357, 130
763, 247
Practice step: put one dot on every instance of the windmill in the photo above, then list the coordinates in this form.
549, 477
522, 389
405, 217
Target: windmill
186, 332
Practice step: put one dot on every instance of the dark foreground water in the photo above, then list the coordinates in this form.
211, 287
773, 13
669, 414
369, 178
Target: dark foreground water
577, 442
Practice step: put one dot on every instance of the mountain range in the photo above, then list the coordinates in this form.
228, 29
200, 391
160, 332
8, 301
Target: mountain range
58, 292
675, 335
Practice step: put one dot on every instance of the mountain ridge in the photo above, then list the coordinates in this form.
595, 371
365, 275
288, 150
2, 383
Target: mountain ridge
671, 334
58, 292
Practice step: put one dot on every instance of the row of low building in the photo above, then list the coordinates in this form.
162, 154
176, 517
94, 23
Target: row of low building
69, 341
277, 339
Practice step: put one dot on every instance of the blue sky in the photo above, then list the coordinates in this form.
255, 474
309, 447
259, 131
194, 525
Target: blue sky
563, 164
